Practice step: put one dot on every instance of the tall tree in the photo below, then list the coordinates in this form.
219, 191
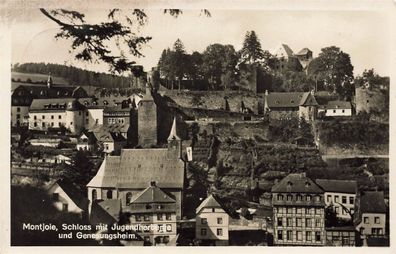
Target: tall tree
251, 51
334, 70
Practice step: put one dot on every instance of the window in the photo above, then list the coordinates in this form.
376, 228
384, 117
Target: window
361, 231
299, 197
344, 199
55, 196
308, 236
219, 220
168, 227
280, 235
289, 210
159, 216
52, 117
52, 124
59, 117
213, 209
376, 231
71, 123
336, 197
280, 221
204, 221
308, 222
298, 222
343, 111
203, 231
289, 222
35, 117
128, 198
87, 120
96, 121
18, 116
317, 223
299, 235
289, 235
168, 216
334, 111
18, 109
160, 228
308, 198
35, 124
317, 198
109, 194
79, 113
43, 117
146, 217
366, 220
43, 124
280, 197
318, 210
64, 207
299, 210
351, 200
377, 220
289, 197
317, 236
94, 195
138, 217
337, 210
219, 232
166, 239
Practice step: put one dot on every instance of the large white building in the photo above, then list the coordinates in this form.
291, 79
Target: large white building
335, 108
341, 195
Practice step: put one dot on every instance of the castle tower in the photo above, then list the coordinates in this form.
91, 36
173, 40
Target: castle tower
74, 116
147, 120
174, 141
49, 81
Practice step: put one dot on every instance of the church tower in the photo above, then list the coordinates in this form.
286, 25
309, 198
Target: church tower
174, 141
147, 120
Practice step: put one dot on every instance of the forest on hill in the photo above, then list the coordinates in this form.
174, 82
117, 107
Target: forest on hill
79, 77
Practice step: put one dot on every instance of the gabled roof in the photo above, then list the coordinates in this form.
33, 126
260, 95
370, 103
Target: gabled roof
308, 99
337, 105
109, 136
73, 192
152, 194
173, 133
296, 183
209, 202
56, 104
340, 186
42, 91
304, 51
372, 202
135, 168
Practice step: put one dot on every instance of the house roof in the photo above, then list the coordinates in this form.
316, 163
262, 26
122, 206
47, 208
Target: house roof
290, 100
372, 202
73, 192
297, 183
138, 167
287, 49
56, 104
153, 194
304, 51
42, 91
340, 186
105, 135
87, 137
209, 202
337, 105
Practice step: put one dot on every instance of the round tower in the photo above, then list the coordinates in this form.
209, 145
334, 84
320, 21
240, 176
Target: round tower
74, 116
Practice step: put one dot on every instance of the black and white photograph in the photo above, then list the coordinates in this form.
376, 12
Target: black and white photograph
209, 125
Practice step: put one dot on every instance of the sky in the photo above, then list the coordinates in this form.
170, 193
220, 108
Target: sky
364, 35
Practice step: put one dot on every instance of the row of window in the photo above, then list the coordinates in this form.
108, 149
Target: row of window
298, 222
43, 117
374, 231
115, 120
298, 210
298, 198
343, 211
366, 220
334, 111
298, 236
147, 217
219, 232
49, 124
204, 221
344, 199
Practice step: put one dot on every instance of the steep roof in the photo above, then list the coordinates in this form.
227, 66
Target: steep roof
337, 104
42, 91
209, 202
105, 135
372, 202
135, 168
55, 104
304, 51
297, 183
73, 192
308, 99
173, 133
341, 186
153, 194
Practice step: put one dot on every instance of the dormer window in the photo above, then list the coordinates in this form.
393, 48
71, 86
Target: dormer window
289, 184
307, 184
277, 102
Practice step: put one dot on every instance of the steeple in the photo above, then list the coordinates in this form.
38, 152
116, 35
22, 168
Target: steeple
49, 81
173, 133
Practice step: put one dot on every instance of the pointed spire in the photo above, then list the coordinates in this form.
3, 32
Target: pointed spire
173, 132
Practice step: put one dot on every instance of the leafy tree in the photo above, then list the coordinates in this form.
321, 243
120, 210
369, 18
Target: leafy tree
251, 51
92, 42
219, 60
372, 79
333, 69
